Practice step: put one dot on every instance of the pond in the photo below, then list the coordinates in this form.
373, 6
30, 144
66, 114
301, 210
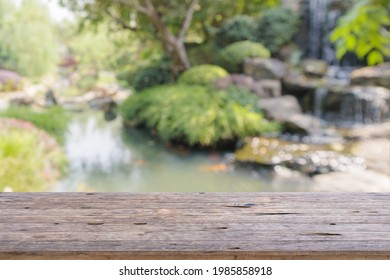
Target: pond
106, 157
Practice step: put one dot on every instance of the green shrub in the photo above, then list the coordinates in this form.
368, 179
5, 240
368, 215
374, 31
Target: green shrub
232, 57
193, 115
245, 98
158, 73
30, 159
203, 75
53, 120
276, 27
235, 29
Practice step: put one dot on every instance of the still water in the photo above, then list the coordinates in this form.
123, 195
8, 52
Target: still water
105, 157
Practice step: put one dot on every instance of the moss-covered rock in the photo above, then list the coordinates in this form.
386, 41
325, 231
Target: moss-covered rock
232, 57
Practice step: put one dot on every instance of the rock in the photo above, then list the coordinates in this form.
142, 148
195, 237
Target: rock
286, 109
223, 83
21, 100
264, 68
366, 132
50, 98
104, 104
243, 81
299, 85
301, 124
289, 53
267, 88
356, 104
320, 162
376, 153
121, 95
352, 181
314, 67
9, 80
280, 108
272, 151
263, 88
372, 76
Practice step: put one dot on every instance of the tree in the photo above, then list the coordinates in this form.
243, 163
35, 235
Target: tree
365, 31
27, 40
168, 20
99, 47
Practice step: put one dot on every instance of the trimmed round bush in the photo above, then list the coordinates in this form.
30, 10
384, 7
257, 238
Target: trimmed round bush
235, 29
150, 76
232, 57
203, 75
276, 27
193, 115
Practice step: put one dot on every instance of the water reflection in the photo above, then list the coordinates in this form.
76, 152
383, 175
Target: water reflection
105, 157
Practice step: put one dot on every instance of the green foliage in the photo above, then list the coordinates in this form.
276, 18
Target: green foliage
199, 54
276, 27
232, 57
150, 76
193, 115
235, 29
364, 30
27, 40
203, 75
30, 159
245, 98
53, 120
212, 14
100, 47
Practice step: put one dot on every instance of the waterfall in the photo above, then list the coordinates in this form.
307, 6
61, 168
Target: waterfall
317, 26
319, 96
323, 17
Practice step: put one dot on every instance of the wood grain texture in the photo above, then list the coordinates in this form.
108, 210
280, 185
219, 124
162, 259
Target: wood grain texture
194, 226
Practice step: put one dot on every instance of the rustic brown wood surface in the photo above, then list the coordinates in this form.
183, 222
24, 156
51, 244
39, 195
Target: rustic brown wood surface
194, 225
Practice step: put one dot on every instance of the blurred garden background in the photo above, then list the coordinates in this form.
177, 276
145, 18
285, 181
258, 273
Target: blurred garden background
194, 95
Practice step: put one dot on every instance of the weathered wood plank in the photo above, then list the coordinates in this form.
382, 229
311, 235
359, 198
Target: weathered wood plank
195, 225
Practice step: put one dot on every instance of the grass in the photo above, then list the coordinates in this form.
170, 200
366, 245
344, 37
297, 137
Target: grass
53, 120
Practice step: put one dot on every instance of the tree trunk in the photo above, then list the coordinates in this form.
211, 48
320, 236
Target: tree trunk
173, 45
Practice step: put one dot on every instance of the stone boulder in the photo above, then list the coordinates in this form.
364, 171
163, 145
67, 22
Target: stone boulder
280, 108
372, 76
297, 84
286, 109
263, 88
376, 153
264, 68
321, 162
9, 80
270, 151
302, 124
315, 67
368, 104
309, 159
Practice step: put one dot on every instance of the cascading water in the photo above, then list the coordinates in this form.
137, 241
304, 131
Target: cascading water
323, 17
318, 18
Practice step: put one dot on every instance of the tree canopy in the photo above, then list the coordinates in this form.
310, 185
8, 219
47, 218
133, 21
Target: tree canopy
365, 30
169, 21
27, 38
